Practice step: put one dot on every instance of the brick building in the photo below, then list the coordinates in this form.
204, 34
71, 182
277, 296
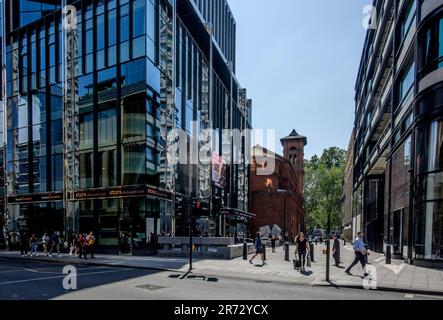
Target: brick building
278, 198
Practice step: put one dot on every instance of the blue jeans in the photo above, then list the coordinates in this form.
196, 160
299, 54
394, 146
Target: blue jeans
34, 247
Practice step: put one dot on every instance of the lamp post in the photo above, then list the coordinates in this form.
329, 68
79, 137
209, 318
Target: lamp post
328, 246
190, 232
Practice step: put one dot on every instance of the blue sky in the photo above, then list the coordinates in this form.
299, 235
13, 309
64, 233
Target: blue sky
299, 61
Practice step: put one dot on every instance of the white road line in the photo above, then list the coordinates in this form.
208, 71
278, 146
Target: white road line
62, 276
379, 259
44, 270
394, 268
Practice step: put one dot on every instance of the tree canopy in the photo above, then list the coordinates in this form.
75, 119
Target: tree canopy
323, 185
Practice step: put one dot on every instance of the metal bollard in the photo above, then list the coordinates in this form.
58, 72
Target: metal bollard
245, 251
311, 251
264, 251
388, 254
287, 252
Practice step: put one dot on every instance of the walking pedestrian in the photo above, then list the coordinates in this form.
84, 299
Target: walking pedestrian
82, 247
55, 241
45, 243
24, 244
90, 239
273, 240
34, 245
336, 250
360, 252
302, 250
73, 244
258, 249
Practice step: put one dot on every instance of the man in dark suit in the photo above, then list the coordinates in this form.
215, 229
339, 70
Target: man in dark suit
336, 250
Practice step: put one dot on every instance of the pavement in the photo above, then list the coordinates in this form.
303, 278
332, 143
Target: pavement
397, 276
38, 280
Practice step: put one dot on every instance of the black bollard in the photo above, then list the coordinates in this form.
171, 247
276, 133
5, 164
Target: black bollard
388, 254
245, 251
287, 252
366, 255
311, 251
264, 251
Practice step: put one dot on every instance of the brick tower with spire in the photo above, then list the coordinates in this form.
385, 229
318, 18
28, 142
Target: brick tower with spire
293, 150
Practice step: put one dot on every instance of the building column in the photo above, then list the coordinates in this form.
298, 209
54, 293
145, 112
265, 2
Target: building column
428, 229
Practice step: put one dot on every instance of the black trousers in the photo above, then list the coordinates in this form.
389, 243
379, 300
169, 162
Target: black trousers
82, 252
302, 258
24, 249
336, 257
359, 257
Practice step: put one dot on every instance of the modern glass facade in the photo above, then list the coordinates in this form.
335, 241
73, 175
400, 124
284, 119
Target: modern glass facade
92, 93
399, 96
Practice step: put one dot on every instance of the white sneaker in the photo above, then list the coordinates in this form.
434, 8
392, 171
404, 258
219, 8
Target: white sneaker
50, 255
23, 255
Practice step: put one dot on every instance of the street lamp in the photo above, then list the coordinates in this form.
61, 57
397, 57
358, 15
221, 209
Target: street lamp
328, 246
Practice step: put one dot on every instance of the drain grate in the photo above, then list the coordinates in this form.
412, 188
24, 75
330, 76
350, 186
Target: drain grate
150, 287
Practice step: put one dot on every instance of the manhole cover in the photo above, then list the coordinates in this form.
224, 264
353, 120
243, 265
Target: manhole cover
150, 287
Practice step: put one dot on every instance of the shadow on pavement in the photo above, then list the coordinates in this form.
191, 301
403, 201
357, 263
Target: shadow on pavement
31, 280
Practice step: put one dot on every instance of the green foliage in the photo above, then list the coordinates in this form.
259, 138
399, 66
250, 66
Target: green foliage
323, 188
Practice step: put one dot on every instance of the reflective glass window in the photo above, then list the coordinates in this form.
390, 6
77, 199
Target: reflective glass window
100, 32
139, 18
134, 118
86, 170
112, 28
107, 127
108, 168
124, 28
138, 47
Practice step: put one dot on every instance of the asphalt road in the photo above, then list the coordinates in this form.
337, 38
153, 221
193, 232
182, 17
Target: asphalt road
21, 280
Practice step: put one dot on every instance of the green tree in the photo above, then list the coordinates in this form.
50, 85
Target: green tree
323, 188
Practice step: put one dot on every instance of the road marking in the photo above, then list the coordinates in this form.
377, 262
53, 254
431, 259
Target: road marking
44, 270
379, 259
62, 276
394, 268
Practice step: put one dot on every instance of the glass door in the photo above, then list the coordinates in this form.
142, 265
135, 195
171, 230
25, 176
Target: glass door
125, 241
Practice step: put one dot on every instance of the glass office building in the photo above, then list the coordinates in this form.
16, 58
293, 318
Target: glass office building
92, 90
398, 190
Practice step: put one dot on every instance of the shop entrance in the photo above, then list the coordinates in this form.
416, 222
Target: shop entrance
126, 231
396, 232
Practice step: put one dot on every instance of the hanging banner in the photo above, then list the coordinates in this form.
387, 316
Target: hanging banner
218, 170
